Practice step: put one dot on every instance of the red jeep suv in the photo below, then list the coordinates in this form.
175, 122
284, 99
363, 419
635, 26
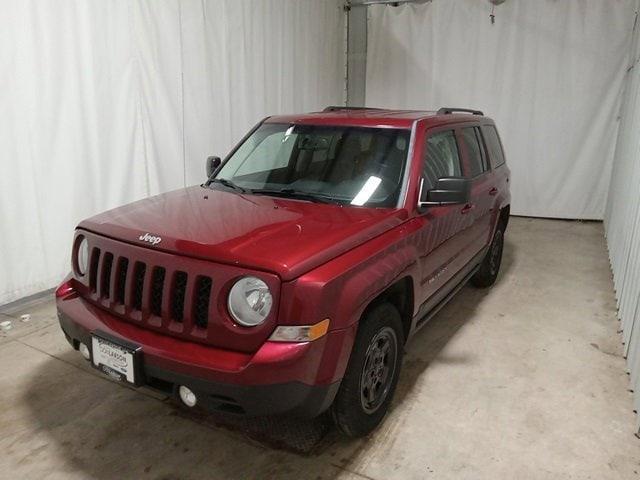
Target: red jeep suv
291, 279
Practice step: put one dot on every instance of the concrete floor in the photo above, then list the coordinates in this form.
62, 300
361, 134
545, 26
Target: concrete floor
525, 380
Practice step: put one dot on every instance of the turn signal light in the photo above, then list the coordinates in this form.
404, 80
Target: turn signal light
304, 333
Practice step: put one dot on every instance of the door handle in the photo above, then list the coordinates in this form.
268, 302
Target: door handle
493, 191
467, 208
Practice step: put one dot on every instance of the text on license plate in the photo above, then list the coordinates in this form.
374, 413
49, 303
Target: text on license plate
117, 359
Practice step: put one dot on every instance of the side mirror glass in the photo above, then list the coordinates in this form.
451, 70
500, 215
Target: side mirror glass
212, 165
447, 191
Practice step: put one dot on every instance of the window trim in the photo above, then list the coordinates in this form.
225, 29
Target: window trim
476, 128
439, 131
483, 150
403, 197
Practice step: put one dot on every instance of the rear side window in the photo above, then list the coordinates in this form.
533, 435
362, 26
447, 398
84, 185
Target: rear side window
493, 145
441, 158
473, 142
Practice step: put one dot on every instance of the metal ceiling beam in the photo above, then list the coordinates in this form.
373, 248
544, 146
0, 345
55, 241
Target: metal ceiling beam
357, 46
356, 56
393, 3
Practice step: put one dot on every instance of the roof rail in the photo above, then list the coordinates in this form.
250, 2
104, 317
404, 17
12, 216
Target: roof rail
450, 110
335, 108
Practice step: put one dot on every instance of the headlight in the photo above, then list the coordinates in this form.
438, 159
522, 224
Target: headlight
82, 256
250, 301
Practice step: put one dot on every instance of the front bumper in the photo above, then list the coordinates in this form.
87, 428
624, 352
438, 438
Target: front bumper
300, 379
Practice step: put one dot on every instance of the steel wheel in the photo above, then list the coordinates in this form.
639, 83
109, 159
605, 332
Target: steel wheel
495, 255
367, 388
490, 266
378, 370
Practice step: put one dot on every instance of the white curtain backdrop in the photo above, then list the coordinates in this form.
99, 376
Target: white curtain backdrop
549, 72
622, 220
105, 102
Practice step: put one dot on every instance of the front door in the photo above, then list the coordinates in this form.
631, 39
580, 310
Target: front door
446, 243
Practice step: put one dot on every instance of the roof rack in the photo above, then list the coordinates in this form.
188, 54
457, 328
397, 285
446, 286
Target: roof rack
335, 108
450, 110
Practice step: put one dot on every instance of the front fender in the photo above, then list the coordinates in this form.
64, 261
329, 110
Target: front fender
342, 288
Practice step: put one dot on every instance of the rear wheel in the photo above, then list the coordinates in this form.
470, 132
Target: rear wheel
490, 266
372, 374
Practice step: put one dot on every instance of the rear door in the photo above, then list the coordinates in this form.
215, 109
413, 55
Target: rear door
483, 186
499, 170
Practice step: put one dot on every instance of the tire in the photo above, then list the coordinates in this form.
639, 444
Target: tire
366, 391
490, 266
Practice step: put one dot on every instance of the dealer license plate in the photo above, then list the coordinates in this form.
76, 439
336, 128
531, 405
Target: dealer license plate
116, 360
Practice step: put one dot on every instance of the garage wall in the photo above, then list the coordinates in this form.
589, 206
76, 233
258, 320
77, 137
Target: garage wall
105, 102
622, 220
549, 72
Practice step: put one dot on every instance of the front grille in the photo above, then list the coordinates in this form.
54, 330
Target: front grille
157, 287
201, 302
138, 283
147, 295
93, 269
121, 279
179, 291
173, 295
105, 282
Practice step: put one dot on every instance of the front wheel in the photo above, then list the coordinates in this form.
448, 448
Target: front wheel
372, 374
490, 266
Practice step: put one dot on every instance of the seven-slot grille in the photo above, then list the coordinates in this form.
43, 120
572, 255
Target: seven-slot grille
140, 291
173, 294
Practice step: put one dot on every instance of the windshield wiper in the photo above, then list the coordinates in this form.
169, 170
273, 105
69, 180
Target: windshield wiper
228, 183
291, 193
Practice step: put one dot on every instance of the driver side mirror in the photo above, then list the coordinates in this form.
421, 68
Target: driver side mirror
212, 165
447, 191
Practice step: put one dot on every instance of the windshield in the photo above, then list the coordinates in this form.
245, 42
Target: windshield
348, 165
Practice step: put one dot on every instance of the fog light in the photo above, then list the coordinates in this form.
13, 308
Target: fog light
84, 350
187, 396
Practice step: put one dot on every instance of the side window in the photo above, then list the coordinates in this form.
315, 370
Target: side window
472, 142
441, 158
493, 145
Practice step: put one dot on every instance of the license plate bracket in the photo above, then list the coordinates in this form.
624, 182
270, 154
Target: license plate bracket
117, 358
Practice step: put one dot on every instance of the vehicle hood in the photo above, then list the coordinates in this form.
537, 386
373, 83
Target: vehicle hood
287, 237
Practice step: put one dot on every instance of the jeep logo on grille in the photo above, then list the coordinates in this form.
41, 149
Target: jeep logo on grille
153, 240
